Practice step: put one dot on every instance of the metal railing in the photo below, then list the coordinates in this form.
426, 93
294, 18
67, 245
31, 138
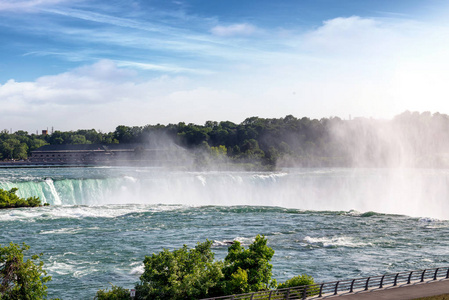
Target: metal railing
344, 286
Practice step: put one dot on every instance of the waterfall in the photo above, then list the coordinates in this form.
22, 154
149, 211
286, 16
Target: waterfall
54, 193
414, 192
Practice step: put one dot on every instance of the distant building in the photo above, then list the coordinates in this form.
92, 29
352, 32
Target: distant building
114, 154
44, 132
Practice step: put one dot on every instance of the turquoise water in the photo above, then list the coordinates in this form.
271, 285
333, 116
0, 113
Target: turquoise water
103, 221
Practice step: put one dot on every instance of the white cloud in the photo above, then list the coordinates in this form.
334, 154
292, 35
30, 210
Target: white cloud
243, 29
357, 66
103, 96
13, 5
160, 68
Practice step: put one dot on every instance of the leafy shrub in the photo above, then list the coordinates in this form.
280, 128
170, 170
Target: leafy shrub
9, 199
193, 274
116, 293
238, 283
301, 280
255, 261
181, 274
21, 279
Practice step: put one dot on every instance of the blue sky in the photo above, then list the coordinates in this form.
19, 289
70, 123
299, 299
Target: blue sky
98, 64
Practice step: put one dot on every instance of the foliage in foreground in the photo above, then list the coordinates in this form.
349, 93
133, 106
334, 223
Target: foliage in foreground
193, 274
181, 274
9, 199
248, 270
299, 280
116, 293
19, 278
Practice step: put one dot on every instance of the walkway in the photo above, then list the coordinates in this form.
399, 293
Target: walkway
403, 292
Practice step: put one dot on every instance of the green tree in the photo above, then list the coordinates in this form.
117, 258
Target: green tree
79, 139
12, 148
19, 278
180, 274
218, 153
193, 274
254, 262
123, 134
36, 143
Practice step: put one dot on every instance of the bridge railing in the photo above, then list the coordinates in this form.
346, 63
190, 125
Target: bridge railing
344, 286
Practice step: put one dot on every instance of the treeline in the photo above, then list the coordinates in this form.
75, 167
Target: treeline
411, 138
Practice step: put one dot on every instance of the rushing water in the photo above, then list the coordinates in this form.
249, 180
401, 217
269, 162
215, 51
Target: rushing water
103, 221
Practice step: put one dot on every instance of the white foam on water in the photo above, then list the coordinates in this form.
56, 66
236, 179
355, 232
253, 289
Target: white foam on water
138, 268
202, 179
81, 272
62, 231
130, 179
224, 243
235, 178
354, 213
336, 241
244, 241
59, 268
433, 223
272, 176
80, 212
55, 194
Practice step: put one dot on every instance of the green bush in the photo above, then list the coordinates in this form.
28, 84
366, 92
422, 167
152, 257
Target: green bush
301, 280
238, 283
116, 293
181, 274
9, 199
254, 261
21, 279
193, 274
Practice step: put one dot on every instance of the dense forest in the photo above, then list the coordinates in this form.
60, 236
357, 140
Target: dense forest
409, 139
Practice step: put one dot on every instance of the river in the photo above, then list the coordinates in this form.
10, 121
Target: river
328, 223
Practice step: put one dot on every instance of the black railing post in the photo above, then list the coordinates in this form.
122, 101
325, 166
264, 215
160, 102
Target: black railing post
381, 282
409, 277
269, 297
447, 273
396, 279
321, 290
422, 275
366, 284
352, 286
287, 296
336, 288
304, 293
435, 275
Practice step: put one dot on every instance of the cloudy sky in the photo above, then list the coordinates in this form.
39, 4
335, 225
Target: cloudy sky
81, 64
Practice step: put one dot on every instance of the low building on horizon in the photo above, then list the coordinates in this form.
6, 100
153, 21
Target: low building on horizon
112, 154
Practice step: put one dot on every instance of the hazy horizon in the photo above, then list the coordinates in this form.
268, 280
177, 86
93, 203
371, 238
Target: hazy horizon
99, 64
